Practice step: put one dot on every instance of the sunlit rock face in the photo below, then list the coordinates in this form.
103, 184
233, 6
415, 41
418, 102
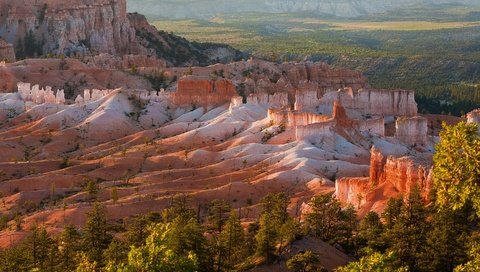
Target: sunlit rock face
390, 176
201, 91
412, 130
57, 26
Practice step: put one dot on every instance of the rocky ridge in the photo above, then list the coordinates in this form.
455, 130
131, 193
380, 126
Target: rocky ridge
85, 28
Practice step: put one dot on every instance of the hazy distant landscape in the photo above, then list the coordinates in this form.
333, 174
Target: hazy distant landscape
430, 46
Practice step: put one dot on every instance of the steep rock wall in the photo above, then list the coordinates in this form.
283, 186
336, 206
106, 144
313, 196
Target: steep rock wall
372, 102
60, 26
412, 130
6, 51
293, 118
389, 177
194, 91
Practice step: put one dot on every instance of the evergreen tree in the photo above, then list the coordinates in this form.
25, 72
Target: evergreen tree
169, 248
231, 242
407, 236
447, 241
70, 245
305, 262
41, 250
370, 232
266, 238
329, 221
375, 262
218, 214
457, 167
95, 234
116, 253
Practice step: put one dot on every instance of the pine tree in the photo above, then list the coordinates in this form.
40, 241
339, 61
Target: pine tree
407, 236
447, 241
266, 238
41, 249
231, 242
70, 245
95, 234
370, 233
218, 214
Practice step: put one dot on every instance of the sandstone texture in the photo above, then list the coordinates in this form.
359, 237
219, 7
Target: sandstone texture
70, 26
203, 92
412, 130
7, 53
90, 27
390, 176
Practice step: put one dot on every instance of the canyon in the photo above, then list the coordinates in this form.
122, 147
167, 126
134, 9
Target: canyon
139, 113
84, 29
207, 136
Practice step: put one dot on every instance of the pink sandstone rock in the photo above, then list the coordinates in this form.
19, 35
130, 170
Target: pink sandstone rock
203, 92
389, 177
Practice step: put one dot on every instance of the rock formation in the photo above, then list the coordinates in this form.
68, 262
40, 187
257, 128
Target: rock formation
40, 96
412, 130
372, 102
474, 116
57, 26
89, 27
203, 92
320, 125
390, 176
6, 51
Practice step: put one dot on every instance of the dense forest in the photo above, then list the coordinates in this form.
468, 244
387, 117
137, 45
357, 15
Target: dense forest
412, 234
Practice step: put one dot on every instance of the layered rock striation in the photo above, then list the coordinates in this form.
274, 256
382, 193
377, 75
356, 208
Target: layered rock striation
57, 26
390, 176
204, 92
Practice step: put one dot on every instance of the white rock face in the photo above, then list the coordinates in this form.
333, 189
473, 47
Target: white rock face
412, 130
372, 102
40, 96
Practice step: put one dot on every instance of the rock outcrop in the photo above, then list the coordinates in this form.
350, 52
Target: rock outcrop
58, 26
6, 51
390, 176
89, 27
372, 102
412, 130
474, 117
311, 125
203, 92
39, 96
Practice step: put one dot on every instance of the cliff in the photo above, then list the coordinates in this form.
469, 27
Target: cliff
195, 91
6, 51
57, 26
90, 27
390, 176
372, 101
412, 130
